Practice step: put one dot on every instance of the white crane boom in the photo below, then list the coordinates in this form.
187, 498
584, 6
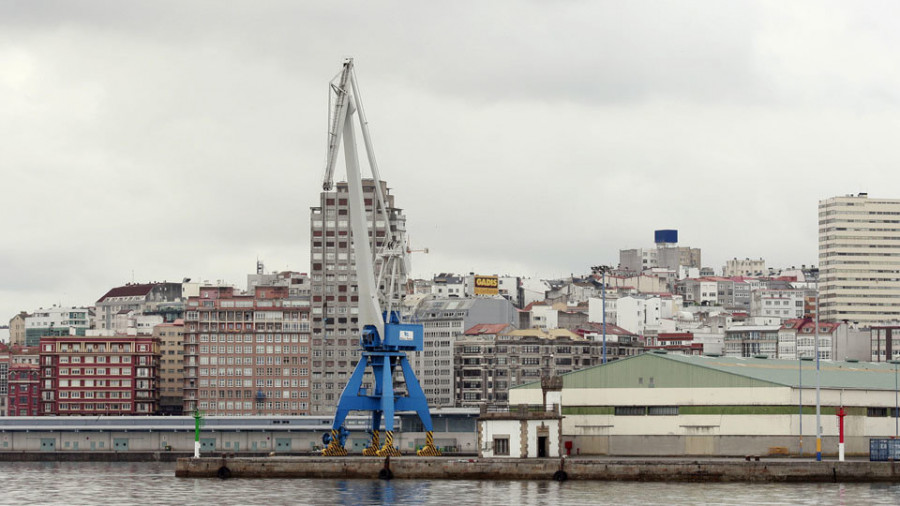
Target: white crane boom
390, 258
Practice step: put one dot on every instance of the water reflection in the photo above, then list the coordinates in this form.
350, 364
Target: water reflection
154, 483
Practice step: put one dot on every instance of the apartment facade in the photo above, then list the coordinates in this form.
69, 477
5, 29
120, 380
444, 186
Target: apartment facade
745, 267
884, 343
99, 375
334, 298
487, 366
797, 339
171, 367
4, 379
55, 321
751, 341
137, 297
444, 320
682, 343
784, 304
24, 390
17, 329
247, 354
491, 359
859, 260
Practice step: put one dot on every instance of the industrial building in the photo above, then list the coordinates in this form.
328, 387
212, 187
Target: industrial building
668, 404
454, 432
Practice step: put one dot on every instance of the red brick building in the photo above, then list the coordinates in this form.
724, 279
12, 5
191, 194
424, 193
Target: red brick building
247, 354
99, 375
24, 390
4, 379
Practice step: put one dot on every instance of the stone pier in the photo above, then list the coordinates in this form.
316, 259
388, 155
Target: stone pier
433, 468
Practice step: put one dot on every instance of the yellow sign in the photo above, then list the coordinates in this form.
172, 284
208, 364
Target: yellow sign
487, 285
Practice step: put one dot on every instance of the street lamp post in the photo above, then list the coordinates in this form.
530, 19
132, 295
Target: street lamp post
603, 305
818, 384
603, 269
896, 404
800, 389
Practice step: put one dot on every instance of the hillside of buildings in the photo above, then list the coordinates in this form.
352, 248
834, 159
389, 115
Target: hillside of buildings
286, 342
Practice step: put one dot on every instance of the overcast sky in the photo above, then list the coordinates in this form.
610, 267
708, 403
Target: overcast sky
152, 141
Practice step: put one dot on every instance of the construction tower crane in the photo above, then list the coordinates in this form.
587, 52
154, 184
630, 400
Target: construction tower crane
384, 339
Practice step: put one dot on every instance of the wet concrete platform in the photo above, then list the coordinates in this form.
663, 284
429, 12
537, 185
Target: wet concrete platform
610, 469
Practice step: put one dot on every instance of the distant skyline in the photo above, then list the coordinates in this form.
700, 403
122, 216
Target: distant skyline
160, 140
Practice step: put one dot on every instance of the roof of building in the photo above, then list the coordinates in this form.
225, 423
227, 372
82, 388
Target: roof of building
588, 327
487, 328
129, 290
544, 334
693, 371
535, 303
802, 324
753, 328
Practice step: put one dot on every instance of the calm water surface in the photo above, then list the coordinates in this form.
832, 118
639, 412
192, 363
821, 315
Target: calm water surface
118, 483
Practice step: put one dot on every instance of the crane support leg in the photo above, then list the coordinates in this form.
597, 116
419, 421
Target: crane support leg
386, 374
372, 449
420, 405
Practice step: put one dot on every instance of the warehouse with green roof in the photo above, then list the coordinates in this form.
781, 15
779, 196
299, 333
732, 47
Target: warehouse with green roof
668, 404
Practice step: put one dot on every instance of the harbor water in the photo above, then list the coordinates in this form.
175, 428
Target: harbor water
122, 483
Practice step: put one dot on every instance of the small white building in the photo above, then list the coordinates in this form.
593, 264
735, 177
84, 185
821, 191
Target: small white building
523, 431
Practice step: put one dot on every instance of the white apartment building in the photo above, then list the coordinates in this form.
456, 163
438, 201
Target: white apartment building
644, 315
544, 317
784, 304
859, 259
745, 267
595, 308
443, 321
448, 285
701, 291
55, 321
533, 290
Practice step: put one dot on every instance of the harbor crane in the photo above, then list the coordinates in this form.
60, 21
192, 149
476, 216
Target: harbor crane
383, 338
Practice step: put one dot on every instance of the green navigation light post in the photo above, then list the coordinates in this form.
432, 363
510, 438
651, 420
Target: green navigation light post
198, 422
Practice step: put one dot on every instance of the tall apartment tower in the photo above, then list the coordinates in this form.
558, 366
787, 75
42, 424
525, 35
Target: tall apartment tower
334, 299
859, 260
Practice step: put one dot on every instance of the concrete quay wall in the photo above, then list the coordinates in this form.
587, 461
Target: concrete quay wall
738, 470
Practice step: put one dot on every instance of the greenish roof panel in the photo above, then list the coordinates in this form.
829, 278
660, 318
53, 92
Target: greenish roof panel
685, 371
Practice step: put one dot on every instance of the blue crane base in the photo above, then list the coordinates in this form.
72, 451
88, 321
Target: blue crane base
383, 402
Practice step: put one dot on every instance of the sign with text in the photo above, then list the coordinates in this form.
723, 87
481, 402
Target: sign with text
487, 285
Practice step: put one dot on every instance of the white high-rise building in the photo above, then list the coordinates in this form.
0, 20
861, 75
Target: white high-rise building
334, 298
859, 260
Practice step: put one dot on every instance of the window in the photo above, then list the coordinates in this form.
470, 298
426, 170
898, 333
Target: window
662, 410
630, 411
501, 445
876, 412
